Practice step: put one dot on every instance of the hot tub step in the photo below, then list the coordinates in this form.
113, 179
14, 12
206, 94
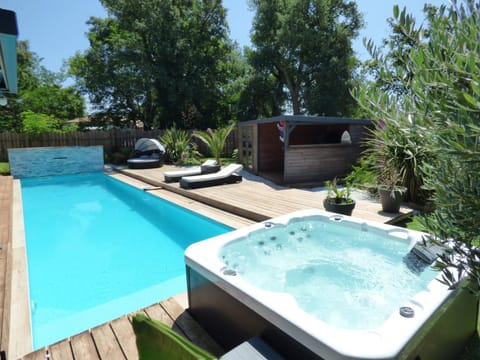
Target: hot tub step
253, 349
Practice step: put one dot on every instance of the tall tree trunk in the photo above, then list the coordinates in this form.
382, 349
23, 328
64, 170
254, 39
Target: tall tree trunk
294, 89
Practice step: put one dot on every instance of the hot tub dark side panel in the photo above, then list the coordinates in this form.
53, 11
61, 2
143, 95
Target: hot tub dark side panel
446, 333
230, 322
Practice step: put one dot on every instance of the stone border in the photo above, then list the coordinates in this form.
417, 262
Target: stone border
51, 161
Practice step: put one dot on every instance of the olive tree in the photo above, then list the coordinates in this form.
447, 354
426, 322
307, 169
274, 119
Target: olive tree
440, 81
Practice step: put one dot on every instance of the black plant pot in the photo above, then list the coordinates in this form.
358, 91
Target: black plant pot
391, 199
339, 208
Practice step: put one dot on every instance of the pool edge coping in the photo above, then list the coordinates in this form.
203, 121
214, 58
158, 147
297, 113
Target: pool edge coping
20, 340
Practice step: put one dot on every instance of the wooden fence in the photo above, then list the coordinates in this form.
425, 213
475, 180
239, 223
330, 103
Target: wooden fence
112, 140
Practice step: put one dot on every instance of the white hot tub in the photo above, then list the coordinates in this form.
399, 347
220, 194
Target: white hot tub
320, 285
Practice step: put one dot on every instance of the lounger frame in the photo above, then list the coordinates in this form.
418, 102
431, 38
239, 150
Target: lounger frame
232, 179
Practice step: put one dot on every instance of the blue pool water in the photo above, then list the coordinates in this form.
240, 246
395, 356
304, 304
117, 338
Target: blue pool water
98, 248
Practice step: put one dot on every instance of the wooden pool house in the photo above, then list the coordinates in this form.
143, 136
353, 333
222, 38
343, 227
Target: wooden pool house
297, 149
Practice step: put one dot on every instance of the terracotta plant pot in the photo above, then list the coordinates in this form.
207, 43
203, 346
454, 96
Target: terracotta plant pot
339, 208
391, 199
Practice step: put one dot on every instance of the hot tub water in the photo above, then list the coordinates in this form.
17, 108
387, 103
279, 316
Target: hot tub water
336, 273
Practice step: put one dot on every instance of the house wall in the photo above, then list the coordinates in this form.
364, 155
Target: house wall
49, 161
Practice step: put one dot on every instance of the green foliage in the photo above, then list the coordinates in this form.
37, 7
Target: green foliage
178, 147
109, 72
162, 62
4, 168
34, 123
397, 151
40, 91
191, 156
262, 95
215, 139
338, 195
62, 103
362, 174
306, 46
437, 87
235, 155
398, 146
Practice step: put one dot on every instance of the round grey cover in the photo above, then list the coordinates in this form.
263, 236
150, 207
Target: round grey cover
146, 144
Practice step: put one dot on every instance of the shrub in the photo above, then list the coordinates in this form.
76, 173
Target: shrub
215, 139
178, 147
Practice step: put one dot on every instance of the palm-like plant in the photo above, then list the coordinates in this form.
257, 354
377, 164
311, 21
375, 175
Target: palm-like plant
215, 139
176, 142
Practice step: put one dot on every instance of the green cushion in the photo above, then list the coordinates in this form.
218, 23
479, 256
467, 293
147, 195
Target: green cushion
155, 340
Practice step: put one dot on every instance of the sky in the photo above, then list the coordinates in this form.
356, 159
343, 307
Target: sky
56, 29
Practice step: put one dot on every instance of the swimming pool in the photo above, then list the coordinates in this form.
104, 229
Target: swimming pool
317, 285
98, 248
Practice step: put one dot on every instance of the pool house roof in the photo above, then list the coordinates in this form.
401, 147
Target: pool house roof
309, 120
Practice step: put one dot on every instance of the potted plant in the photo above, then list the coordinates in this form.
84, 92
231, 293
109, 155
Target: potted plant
338, 200
391, 192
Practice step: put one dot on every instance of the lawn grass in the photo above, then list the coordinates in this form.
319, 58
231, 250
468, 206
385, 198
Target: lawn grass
4, 168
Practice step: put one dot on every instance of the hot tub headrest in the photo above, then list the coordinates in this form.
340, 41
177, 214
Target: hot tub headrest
428, 252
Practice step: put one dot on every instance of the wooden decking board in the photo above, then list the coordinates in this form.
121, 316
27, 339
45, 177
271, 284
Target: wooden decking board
157, 312
169, 312
6, 200
37, 355
106, 343
256, 199
61, 351
125, 337
83, 346
195, 333
116, 339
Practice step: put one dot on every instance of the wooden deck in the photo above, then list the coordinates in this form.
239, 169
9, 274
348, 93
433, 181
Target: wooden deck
236, 205
6, 201
116, 339
259, 200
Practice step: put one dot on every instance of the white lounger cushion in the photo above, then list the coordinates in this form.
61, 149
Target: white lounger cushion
194, 170
223, 173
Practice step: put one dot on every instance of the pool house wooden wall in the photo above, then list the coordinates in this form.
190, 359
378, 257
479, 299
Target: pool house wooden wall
312, 151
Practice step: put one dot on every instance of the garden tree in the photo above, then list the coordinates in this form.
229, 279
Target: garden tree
64, 103
40, 91
307, 46
237, 69
253, 95
442, 102
27, 63
261, 96
175, 55
110, 73
35, 123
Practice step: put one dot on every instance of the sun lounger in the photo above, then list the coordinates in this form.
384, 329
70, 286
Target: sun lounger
208, 167
227, 175
145, 162
149, 154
